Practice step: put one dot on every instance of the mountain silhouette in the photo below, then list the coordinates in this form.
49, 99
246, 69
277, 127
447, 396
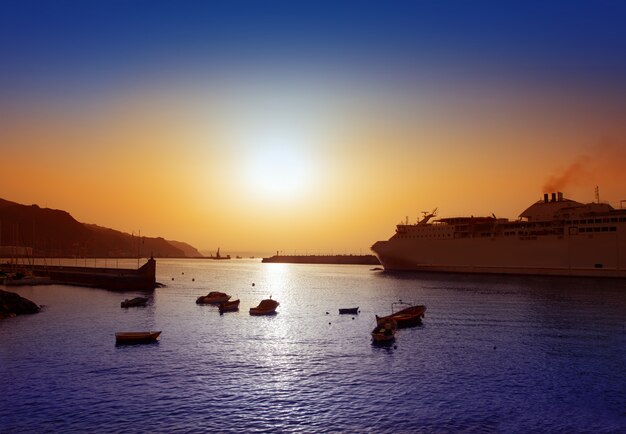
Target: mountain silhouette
55, 233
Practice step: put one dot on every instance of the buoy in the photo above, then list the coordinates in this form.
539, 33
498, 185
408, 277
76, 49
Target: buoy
328, 323
193, 280
182, 272
252, 283
326, 313
172, 278
352, 318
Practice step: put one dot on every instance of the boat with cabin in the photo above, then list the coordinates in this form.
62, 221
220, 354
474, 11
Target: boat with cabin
265, 307
213, 297
229, 306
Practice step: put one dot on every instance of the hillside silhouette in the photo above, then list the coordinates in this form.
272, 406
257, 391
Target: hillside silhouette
55, 233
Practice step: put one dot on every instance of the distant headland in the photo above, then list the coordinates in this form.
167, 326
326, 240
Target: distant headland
324, 259
28, 230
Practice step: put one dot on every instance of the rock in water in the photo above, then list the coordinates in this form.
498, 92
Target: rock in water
12, 304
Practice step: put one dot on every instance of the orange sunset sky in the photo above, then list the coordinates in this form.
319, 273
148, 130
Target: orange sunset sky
304, 150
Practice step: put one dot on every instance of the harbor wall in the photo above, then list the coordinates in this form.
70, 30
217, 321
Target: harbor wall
116, 279
324, 259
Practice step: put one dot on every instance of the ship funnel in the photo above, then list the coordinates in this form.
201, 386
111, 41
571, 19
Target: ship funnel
545, 198
553, 197
560, 196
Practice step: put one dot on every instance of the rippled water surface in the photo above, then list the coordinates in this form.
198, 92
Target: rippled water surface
494, 354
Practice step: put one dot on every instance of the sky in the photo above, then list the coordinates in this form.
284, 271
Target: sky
307, 126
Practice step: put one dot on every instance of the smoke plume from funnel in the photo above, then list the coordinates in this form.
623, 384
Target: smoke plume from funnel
573, 174
601, 164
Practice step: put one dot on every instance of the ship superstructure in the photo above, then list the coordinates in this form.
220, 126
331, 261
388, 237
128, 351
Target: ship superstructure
554, 236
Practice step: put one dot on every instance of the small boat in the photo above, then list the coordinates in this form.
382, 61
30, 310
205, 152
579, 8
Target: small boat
133, 302
229, 306
349, 310
409, 316
266, 307
384, 331
136, 337
213, 297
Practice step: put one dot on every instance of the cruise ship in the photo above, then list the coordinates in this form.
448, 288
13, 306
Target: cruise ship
554, 236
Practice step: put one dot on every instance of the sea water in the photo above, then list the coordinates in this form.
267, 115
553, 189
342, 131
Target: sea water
494, 354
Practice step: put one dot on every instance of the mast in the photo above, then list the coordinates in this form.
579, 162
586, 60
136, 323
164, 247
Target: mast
138, 247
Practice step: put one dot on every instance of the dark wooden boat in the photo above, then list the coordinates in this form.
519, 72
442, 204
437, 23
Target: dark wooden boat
408, 316
229, 306
266, 307
213, 297
385, 331
133, 302
349, 310
136, 337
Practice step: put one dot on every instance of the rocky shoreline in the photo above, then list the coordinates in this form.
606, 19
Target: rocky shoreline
11, 304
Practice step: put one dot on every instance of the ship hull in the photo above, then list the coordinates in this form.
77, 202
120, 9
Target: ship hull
595, 255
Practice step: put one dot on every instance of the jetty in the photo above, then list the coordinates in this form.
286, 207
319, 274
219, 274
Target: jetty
324, 259
115, 279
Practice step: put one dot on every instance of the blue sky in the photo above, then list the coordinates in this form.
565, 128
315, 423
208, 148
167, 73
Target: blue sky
75, 44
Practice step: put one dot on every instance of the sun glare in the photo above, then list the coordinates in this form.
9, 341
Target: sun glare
278, 168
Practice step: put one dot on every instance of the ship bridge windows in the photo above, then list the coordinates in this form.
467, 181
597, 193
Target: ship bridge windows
597, 229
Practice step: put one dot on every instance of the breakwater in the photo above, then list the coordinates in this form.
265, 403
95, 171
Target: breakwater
116, 279
324, 259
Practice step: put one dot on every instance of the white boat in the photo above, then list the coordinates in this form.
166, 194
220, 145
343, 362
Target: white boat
554, 236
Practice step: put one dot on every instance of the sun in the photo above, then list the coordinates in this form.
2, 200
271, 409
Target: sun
279, 169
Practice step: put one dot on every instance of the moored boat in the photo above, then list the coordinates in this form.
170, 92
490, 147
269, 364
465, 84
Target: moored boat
133, 302
229, 306
136, 337
266, 307
384, 331
349, 310
409, 316
213, 297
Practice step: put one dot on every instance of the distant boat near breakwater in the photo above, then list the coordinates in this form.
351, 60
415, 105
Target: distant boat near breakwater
217, 257
324, 259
